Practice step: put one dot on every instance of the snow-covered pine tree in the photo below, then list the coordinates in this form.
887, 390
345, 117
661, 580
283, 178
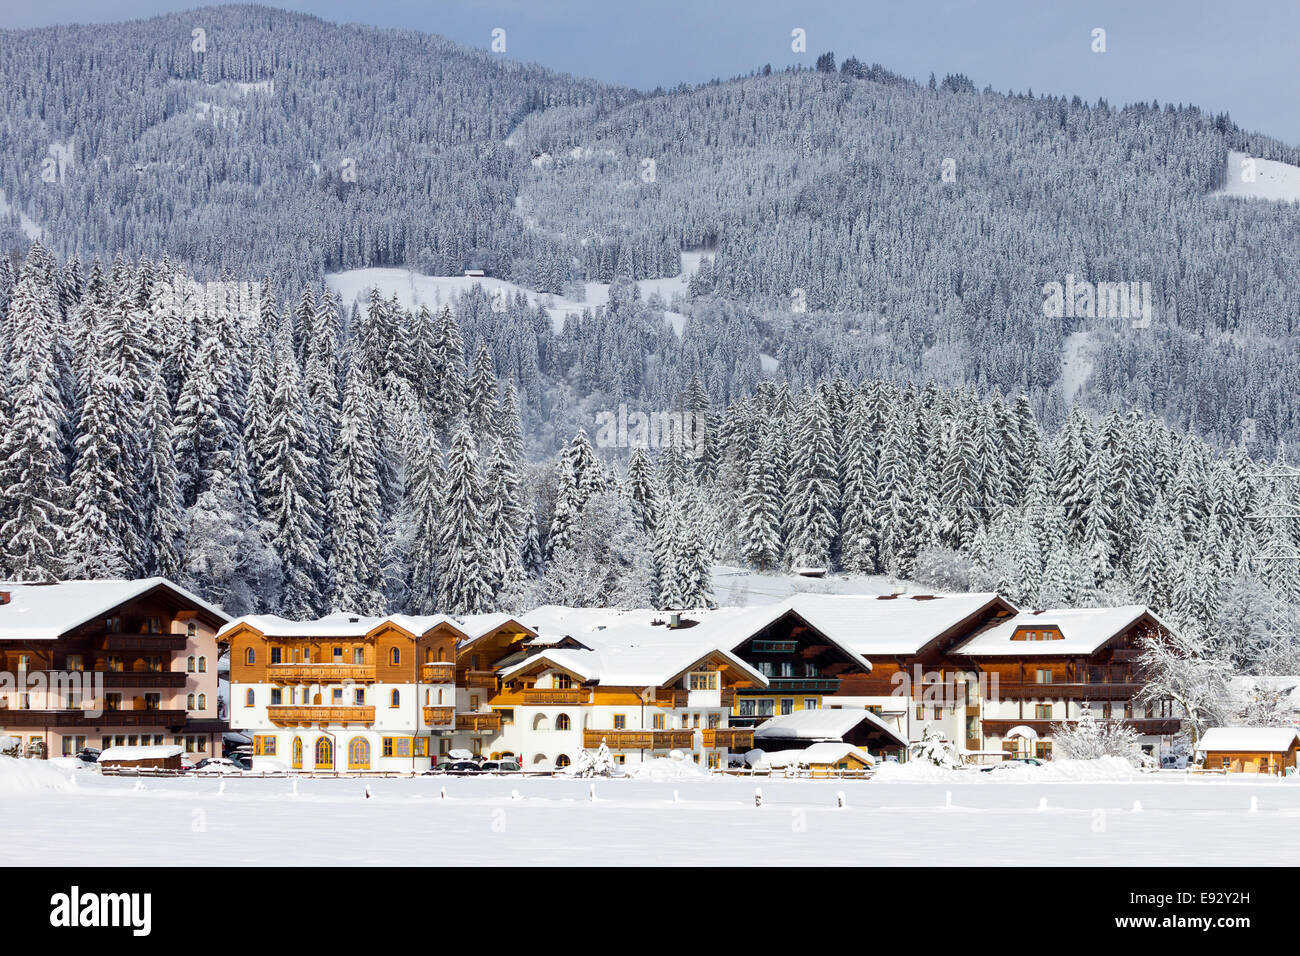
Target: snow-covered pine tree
463, 557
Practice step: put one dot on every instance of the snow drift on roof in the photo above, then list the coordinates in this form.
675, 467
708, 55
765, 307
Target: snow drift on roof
1083, 631
826, 752
871, 624
826, 724
344, 624
1247, 739
45, 611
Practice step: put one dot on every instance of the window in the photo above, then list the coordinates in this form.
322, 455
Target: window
562, 681
338, 653
189, 664
1043, 750
507, 716
203, 701
203, 665
395, 699
276, 655
336, 695
1042, 711
250, 656
189, 702
358, 754
703, 680
114, 663
787, 668
297, 753
153, 625
359, 697
1043, 675
562, 722
276, 697
810, 703
248, 697
75, 662
359, 656
191, 629
746, 707
765, 707
920, 712
263, 746
715, 761
715, 720
938, 713
114, 701
113, 625
324, 754
395, 655
153, 701
562, 760
787, 705
620, 721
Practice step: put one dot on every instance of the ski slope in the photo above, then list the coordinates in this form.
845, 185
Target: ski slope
1272, 180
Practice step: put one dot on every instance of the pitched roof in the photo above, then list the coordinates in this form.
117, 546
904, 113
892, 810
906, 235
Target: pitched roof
903, 624
1083, 631
826, 752
1247, 739
343, 624
47, 611
827, 724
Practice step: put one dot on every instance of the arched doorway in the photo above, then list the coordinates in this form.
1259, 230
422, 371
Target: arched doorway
359, 754
324, 754
297, 753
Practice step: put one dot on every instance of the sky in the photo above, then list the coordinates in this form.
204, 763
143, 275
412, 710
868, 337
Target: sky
1223, 56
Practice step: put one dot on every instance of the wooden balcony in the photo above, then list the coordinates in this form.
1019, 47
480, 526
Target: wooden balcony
77, 717
730, 737
556, 695
1154, 726
320, 673
301, 715
439, 716
438, 672
639, 739
144, 642
477, 722
1016, 690
484, 680
143, 678
728, 697
671, 697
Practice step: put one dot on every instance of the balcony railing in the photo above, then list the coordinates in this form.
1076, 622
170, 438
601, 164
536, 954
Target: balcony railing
639, 739
729, 737
557, 695
78, 717
800, 685
476, 722
290, 714
439, 716
143, 678
144, 642
671, 697
1154, 726
1065, 691
439, 672
485, 680
320, 673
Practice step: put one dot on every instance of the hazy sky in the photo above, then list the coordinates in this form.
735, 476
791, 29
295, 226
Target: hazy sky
1226, 55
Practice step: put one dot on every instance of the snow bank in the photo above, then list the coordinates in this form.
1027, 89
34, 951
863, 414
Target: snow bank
1055, 771
25, 776
664, 768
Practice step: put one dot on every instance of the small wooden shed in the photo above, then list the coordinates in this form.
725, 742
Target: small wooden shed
157, 757
1250, 749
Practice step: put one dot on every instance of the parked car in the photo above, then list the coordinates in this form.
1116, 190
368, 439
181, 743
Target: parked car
500, 766
88, 755
1012, 762
1173, 762
219, 765
461, 766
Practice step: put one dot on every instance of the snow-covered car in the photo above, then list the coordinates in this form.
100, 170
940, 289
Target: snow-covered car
1013, 762
88, 755
218, 765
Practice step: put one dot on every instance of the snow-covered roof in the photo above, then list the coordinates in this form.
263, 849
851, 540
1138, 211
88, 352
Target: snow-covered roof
824, 724
826, 752
630, 648
1083, 631
1287, 688
343, 624
47, 611
1247, 739
156, 752
876, 624
725, 628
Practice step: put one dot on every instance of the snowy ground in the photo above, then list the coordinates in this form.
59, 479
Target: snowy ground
1273, 180
331, 822
748, 587
414, 289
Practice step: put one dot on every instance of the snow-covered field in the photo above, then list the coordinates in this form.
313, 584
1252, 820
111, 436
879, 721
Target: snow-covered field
924, 819
743, 586
1272, 180
414, 289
